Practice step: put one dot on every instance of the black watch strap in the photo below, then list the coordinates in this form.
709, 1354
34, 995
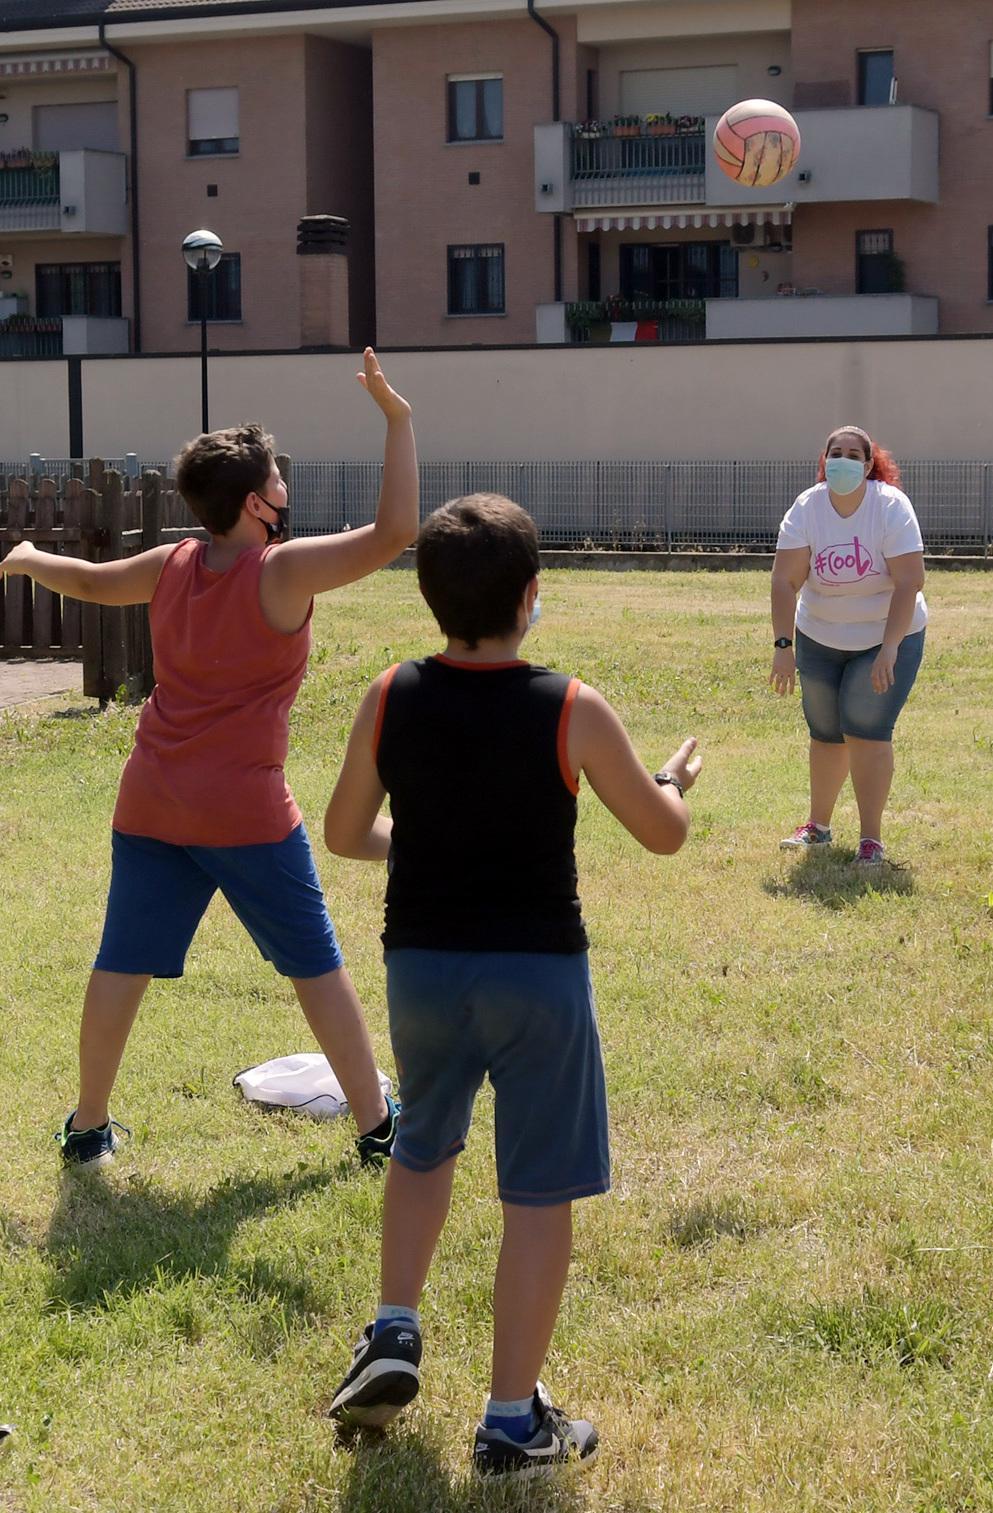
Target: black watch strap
781, 642
664, 779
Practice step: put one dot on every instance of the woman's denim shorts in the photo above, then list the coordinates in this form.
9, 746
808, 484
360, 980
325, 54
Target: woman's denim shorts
838, 696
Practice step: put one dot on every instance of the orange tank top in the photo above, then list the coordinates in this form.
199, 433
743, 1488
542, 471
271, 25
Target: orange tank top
207, 764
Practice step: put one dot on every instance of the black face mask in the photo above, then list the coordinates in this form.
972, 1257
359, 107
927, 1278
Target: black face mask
278, 532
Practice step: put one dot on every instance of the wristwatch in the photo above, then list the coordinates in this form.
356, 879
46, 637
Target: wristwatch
781, 642
664, 779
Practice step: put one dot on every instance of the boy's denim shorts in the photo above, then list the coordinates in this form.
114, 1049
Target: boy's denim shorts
159, 893
526, 1021
838, 696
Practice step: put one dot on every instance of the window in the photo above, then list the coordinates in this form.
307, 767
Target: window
211, 122
989, 105
223, 290
679, 270
989, 262
874, 262
875, 77
78, 289
475, 108
475, 280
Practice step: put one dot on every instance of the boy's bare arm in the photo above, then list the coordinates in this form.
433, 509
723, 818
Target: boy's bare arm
308, 566
353, 825
131, 580
600, 747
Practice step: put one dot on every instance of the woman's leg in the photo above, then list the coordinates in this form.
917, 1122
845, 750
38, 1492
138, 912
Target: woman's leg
872, 777
828, 771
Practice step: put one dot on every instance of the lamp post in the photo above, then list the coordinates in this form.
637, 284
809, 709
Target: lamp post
202, 251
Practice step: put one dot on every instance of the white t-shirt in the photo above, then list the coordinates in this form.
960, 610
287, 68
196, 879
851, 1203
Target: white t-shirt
846, 598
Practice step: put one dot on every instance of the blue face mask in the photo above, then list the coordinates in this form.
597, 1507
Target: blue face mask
844, 474
535, 610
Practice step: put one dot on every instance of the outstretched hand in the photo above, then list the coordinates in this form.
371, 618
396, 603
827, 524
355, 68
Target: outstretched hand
683, 765
17, 559
372, 379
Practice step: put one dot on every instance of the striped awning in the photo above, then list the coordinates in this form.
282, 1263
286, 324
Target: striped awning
656, 220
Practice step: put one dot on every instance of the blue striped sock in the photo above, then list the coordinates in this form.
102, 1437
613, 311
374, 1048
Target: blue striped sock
516, 1417
392, 1313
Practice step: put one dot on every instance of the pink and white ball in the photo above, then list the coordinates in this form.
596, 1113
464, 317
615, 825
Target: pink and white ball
757, 143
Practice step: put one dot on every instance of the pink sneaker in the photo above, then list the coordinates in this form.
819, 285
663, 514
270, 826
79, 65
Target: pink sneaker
806, 835
870, 853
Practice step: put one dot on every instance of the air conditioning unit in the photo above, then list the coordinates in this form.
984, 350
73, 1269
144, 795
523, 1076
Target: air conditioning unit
742, 236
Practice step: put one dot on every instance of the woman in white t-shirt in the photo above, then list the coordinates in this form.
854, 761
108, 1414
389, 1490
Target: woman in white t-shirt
851, 548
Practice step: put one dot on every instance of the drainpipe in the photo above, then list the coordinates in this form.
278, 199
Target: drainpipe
556, 114
133, 121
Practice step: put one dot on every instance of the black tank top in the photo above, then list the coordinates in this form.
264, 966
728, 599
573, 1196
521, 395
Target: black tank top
483, 805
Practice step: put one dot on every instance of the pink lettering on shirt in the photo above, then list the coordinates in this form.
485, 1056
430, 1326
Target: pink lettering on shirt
846, 562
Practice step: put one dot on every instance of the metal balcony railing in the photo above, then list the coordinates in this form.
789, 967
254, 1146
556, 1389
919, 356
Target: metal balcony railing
639, 170
28, 336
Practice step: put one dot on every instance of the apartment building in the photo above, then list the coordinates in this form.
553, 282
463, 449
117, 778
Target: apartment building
510, 173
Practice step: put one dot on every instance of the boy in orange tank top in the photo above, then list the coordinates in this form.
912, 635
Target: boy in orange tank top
203, 803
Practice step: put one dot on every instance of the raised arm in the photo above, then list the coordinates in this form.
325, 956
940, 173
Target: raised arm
600, 747
130, 580
353, 825
307, 566
790, 570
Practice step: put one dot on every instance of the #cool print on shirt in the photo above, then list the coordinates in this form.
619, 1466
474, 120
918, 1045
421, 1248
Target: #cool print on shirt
845, 562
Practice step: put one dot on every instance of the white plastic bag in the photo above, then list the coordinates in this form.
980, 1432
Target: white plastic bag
304, 1083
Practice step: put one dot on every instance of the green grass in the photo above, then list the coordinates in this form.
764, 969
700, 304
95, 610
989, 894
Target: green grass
785, 1302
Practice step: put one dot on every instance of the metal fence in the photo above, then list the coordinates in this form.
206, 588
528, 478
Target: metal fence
646, 506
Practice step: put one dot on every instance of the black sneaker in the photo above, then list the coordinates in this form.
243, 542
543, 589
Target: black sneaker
373, 1148
384, 1377
557, 1439
89, 1147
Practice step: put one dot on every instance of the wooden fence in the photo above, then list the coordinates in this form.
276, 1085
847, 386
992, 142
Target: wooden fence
98, 516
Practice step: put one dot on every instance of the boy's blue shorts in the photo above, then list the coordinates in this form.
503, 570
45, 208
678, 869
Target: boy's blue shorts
528, 1022
160, 892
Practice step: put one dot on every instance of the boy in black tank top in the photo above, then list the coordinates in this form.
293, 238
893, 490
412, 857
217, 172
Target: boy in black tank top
480, 754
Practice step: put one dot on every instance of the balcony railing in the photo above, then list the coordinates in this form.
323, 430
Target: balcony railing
639, 170
31, 336
76, 192
673, 320
29, 194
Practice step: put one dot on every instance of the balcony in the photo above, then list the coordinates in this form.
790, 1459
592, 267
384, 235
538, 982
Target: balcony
596, 322
872, 153
869, 152
79, 193
819, 315
656, 169
66, 336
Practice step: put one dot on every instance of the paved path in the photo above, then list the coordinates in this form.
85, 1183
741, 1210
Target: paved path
21, 682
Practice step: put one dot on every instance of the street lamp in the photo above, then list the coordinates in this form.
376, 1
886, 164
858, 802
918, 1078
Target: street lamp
202, 251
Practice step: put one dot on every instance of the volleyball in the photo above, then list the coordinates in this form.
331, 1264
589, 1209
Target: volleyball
756, 143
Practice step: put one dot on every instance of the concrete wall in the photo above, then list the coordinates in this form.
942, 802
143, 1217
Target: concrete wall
874, 153
614, 22
819, 316
922, 398
93, 193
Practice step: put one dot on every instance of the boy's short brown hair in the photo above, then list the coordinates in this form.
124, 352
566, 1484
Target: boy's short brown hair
216, 471
475, 558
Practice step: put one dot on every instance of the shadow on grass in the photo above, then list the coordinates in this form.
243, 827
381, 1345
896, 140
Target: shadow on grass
108, 1241
835, 882
405, 1473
